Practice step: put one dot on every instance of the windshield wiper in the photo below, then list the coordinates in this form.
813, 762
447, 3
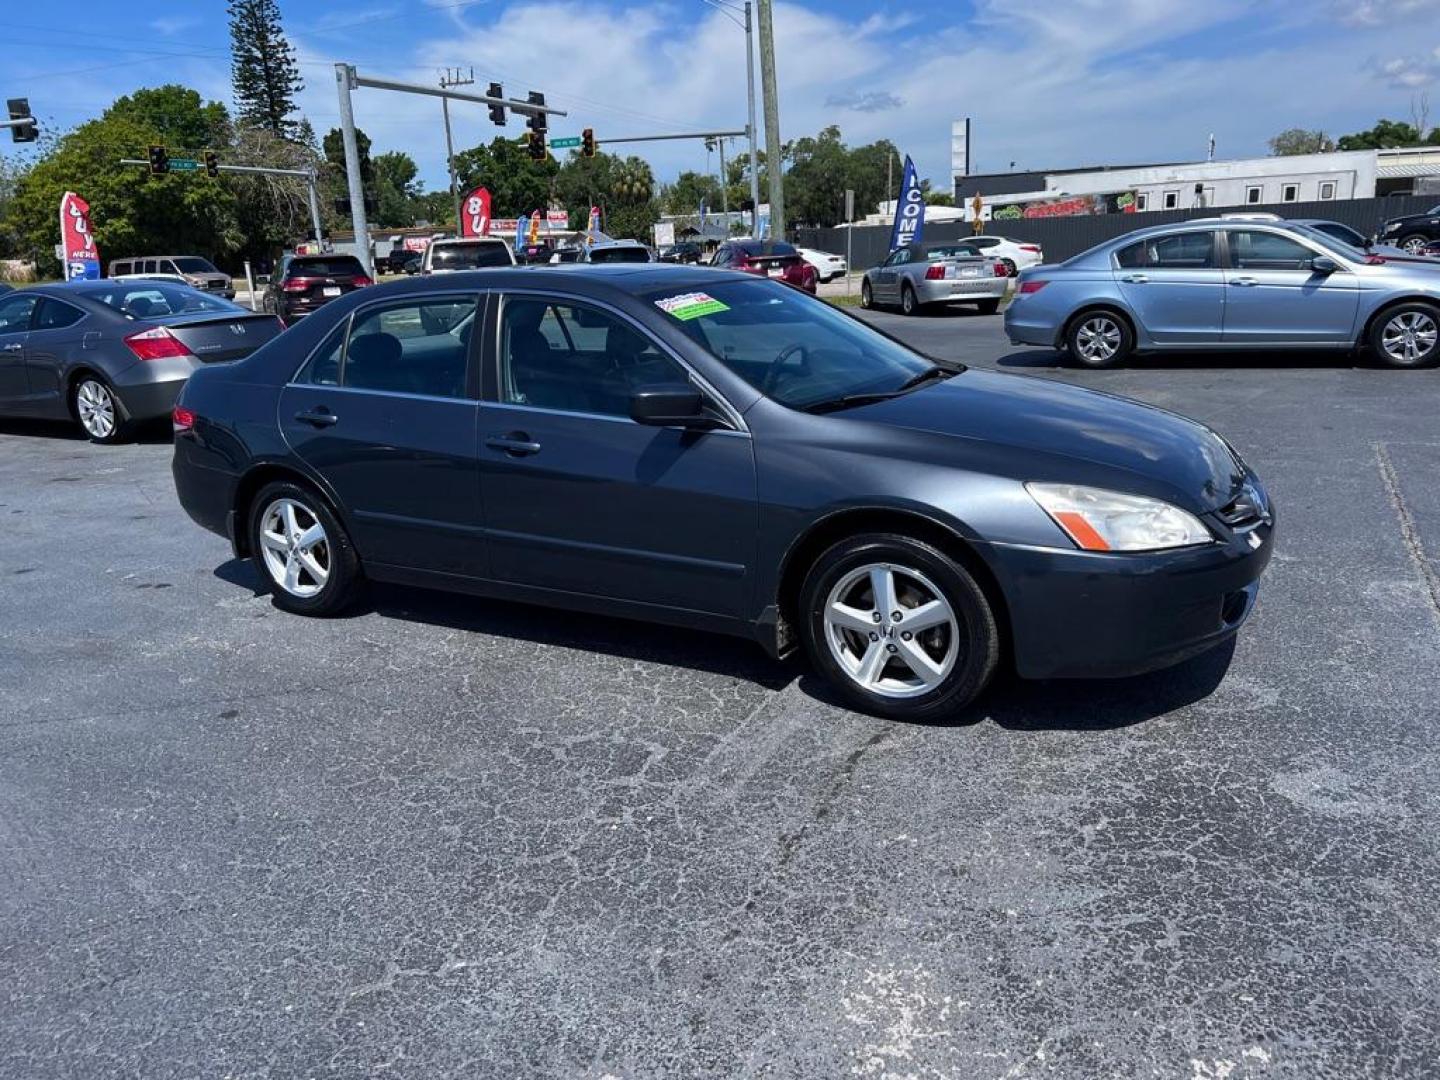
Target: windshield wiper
930, 374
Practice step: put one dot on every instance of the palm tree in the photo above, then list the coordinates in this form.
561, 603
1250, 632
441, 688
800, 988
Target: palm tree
634, 182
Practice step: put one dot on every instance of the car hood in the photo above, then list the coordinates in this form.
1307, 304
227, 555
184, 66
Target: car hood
1039, 429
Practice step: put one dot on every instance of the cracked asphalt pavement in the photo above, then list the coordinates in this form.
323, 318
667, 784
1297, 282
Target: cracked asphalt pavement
447, 837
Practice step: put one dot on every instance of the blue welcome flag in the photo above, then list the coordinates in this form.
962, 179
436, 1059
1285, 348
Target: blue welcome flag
909, 211
522, 226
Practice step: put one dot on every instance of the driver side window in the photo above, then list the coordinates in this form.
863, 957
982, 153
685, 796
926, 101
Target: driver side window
573, 358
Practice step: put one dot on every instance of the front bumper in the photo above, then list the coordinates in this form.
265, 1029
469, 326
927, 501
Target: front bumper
960, 290
1076, 614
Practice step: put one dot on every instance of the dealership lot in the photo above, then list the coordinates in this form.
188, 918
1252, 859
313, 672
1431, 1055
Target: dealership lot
452, 837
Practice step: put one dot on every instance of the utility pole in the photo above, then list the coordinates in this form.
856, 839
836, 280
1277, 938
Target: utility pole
448, 80
772, 120
724, 186
345, 82
754, 156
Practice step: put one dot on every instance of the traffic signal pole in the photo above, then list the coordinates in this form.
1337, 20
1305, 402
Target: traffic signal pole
347, 80
309, 175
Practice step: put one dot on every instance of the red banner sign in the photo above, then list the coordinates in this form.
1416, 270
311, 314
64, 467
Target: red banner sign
82, 257
475, 213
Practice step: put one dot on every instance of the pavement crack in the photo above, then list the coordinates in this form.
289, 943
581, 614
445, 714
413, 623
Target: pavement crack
1409, 533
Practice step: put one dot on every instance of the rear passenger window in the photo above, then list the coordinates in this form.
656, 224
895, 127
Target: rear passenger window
1179, 251
323, 367
56, 315
411, 348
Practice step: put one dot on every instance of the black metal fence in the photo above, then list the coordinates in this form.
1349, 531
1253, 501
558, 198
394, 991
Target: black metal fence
1067, 236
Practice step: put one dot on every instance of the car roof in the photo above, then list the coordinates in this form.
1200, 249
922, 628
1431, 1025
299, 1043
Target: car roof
469, 240
606, 281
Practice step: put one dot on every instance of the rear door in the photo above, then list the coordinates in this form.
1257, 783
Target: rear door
385, 411
15, 312
1273, 297
1175, 286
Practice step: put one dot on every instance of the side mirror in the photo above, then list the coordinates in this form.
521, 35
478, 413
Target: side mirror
671, 405
1323, 264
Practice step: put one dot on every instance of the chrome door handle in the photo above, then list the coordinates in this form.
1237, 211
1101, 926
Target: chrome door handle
321, 417
14, 347
1135, 279
1247, 281
514, 443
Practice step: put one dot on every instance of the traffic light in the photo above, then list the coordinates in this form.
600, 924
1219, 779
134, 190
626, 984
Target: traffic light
159, 161
19, 109
587, 142
212, 163
539, 122
535, 145
497, 112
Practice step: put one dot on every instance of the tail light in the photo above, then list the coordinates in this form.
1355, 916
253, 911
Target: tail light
1001, 270
182, 420
935, 273
1028, 287
1031, 247
156, 344
297, 284
361, 281
749, 267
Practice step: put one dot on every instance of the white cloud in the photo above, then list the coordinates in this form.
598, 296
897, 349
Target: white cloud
170, 25
1409, 72
1381, 12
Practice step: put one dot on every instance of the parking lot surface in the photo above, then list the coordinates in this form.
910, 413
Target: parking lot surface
451, 837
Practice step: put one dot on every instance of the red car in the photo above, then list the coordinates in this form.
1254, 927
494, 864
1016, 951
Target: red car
767, 258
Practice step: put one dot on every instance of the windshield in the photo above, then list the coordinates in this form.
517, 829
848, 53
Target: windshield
789, 346
619, 255
193, 264
1332, 242
155, 299
468, 256
341, 266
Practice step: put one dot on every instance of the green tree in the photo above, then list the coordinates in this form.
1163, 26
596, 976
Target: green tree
334, 147
518, 185
131, 212
939, 198
435, 208
178, 115
1385, 135
689, 190
632, 209
1294, 141
263, 69
396, 189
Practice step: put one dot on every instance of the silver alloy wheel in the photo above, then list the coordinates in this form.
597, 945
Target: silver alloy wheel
1409, 337
1098, 338
295, 548
907, 300
1413, 244
96, 408
891, 630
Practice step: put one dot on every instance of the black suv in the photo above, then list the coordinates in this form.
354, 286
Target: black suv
686, 253
1411, 232
306, 283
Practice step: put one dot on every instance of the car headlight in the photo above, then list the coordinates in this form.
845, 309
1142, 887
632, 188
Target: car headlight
1099, 520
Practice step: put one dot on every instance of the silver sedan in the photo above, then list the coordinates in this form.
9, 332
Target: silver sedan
943, 273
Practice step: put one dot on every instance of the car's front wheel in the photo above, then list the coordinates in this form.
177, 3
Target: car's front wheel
1099, 339
303, 551
899, 627
1407, 336
98, 410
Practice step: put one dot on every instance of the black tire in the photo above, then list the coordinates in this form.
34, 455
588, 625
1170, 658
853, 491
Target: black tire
988, 307
974, 635
86, 395
909, 303
867, 298
1389, 332
1412, 242
344, 582
1085, 328
1010, 268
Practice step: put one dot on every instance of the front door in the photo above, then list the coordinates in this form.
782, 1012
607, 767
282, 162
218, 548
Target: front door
886, 281
15, 312
385, 411
1174, 285
57, 333
1272, 297
581, 499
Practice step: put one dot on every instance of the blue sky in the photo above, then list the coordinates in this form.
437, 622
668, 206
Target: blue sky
1047, 83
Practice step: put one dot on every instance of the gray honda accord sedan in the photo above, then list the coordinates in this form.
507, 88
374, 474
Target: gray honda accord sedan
702, 448
109, 354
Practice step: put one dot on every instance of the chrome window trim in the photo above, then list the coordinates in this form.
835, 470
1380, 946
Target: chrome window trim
473, 402
611, 417
732, 414
63, 303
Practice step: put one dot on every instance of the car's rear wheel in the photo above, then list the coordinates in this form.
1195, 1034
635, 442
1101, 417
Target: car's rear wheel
1010, 267
303, 551
867, 298
98, 410
1413, 243
988, 307
1099, 339
900, 628
909, 304
1407, 336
